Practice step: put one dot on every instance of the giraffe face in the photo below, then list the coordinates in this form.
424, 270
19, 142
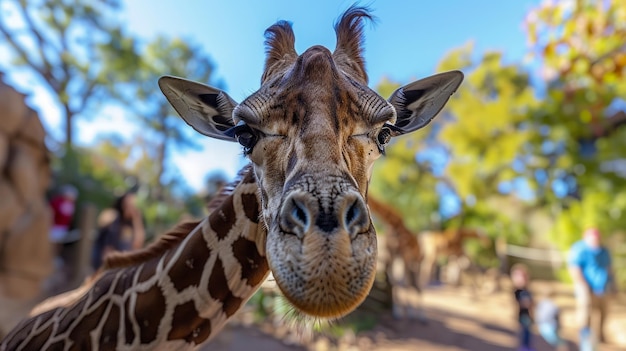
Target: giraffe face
316, 131
313, 131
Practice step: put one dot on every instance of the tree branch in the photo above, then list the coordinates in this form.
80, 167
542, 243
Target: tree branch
64, 49
24, 56
617, 50
86, 94
41, 42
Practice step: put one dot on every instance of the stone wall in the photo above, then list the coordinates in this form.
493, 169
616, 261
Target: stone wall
25, 218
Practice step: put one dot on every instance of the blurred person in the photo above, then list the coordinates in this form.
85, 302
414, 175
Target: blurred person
589, 264
120, 229
63, 208
523, 297
547, 318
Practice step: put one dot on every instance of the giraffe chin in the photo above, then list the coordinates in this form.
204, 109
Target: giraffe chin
322, 275
328, 309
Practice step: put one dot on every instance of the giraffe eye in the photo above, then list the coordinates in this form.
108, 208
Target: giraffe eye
383, 138
246, 137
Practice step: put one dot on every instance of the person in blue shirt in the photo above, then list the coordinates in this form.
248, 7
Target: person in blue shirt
590, 267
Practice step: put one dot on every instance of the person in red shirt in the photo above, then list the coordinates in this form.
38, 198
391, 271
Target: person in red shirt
63, 208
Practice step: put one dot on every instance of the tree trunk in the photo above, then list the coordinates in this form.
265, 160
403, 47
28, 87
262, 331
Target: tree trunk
69, 142
161, 154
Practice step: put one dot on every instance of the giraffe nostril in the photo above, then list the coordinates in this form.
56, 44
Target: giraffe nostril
353, 212
298, 212
295, 216
356, 217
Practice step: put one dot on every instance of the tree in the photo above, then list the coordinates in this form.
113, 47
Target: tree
581, 50
505, 138
137, 89
112, 167
487, 134
59, 42
405, 179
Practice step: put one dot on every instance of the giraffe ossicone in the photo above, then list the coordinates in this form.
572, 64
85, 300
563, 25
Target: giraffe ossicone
312, 133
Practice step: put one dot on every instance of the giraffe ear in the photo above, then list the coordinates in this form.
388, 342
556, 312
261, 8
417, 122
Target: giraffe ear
208, 110
419, 102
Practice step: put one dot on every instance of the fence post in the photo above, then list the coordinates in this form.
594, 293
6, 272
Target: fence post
81, 260
501, 252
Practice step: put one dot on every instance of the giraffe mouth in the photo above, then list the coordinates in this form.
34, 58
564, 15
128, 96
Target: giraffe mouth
323, 275
323, 257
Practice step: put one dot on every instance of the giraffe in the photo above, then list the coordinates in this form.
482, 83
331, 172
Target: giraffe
312, 133
403, 251
447, 243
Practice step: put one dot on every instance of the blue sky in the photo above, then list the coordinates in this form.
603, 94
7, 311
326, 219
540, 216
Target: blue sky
406, 42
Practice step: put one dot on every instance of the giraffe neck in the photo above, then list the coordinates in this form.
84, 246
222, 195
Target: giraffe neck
174, 300
405, 240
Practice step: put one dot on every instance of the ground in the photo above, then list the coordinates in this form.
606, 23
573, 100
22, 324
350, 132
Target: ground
458, 320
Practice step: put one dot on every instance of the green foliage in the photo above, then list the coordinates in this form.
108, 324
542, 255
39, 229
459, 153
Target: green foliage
97, 179
400, 179
57, 41
488, 135
477, 140
497, 133
108, 170
561, 153
85, 57
581, 44
582, 53
138, 70
599, 209
457, 58
355, 323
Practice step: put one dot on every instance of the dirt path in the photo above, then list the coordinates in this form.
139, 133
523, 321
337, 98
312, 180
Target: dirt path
458, 320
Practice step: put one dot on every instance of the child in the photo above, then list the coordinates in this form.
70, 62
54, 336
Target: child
547, 319
520, 279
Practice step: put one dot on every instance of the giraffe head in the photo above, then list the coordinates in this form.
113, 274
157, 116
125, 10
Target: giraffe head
312, 132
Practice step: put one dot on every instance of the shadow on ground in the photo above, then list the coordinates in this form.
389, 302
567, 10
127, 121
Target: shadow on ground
458, 320
239, 337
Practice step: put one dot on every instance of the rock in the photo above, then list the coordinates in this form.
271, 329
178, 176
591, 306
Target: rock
13, 109
29, 238
10, 208
4, 150
44, 176
25, 219
31, 129
22, 170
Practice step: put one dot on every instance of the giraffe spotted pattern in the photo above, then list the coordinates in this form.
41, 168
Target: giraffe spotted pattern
131, 305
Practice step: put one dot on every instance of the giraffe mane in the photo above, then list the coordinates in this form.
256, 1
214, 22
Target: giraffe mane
172, 237
228, 188
165, 242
